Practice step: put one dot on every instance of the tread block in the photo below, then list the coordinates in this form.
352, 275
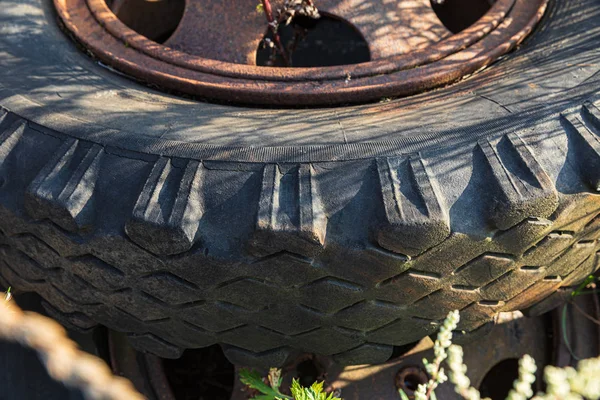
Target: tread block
169, 288
67, 303
10, 137
253, 338
465, 337
290, 213
416, 218
511, 284
288, 320
368, 315
586, 143
477, 314
382, 264
169, 208
203, 316
63, 190
572, 259
75, 321
457, 250
367, 353
403, 331
16, 278
520, 238
185, 335
482, 270
587, 267
286, 269
144, 309
548, 249
329, 295
267, 359
154, 344
408, 287
250, 293
436, 305
592, 230
98, 273
522, 187
327, 341
533, 293
25, 266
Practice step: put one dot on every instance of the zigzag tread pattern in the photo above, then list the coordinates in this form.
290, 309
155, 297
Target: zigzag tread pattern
160, 281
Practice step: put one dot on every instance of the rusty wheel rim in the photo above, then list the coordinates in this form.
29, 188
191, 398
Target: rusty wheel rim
96, 27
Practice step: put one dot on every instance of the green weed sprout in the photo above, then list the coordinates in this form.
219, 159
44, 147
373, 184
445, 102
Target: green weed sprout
567, 383
271, 391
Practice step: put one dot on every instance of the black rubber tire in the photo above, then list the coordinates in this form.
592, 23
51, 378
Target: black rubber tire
340, 231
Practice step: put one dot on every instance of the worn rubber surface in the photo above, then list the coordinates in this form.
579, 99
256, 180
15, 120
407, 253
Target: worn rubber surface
339, 231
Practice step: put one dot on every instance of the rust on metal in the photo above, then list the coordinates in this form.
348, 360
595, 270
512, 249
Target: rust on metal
212, 51
232, 30
409, 377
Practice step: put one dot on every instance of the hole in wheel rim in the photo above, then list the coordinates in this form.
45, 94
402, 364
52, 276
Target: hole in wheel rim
200, 373
409, 378
329, 41
499, 380
308, 372
154, 19
458, 15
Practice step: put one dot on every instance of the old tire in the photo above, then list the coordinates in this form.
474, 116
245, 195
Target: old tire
341, 231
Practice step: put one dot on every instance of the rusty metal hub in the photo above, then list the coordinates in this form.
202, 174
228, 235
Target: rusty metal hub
209, 49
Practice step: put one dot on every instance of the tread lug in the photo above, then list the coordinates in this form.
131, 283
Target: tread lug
586, 143
522, 187
290, 213
63, 190
165, 220
10, 138
416, 218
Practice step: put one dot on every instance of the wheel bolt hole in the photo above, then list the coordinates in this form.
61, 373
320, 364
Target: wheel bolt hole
499, 380
409, 378
154, 19
412, 382
309, 42
458, 15
307, 372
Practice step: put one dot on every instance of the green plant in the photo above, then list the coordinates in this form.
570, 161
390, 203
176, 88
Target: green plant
434, 368
561, 383
269, 387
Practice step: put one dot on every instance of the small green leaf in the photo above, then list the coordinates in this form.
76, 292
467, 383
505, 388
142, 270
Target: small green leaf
253, 380
432, 396
317, 387
297, 390
403, 395
583, 285
330, 397
259, 8
315, 392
